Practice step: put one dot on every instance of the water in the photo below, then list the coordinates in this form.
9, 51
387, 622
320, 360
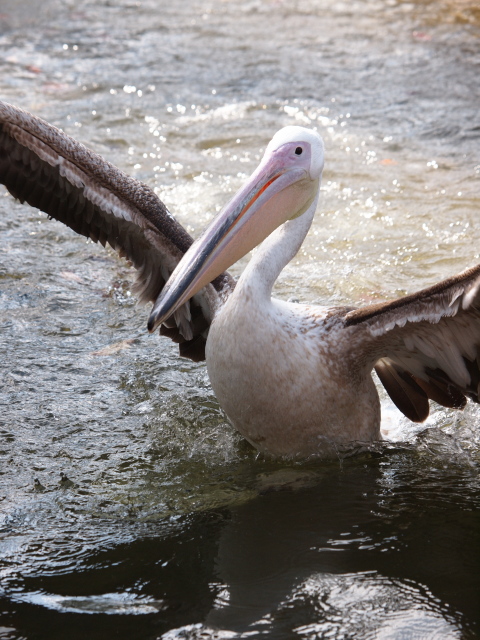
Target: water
165, 524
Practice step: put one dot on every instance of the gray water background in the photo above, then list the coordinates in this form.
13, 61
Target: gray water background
169, 525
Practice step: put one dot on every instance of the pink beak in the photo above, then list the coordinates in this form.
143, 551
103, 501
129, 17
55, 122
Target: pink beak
276, 192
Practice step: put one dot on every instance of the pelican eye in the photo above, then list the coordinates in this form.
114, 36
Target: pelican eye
298, 151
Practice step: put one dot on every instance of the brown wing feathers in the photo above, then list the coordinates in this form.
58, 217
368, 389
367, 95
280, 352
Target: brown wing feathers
44, 167
431, 342
48, 170
411, 394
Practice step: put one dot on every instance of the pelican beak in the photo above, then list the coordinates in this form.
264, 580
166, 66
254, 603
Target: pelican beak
280, 189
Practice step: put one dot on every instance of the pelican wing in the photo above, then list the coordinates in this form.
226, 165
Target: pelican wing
41, 165
426, 345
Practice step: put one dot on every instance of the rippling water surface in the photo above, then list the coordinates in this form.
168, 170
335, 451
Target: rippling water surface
129, 507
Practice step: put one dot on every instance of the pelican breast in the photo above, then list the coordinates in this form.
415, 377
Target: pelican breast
284, 376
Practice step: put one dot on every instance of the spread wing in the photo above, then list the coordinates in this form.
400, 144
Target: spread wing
426, 345
41, 165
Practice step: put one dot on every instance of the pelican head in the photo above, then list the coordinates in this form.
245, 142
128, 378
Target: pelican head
283, 187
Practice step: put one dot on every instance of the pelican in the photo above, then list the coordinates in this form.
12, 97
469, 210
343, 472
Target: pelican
295, 380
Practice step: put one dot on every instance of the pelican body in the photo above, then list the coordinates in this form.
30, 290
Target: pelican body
295, 380
301, 397
278, 368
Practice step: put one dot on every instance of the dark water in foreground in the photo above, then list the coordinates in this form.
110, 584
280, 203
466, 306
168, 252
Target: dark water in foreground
166, 524
371, 551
